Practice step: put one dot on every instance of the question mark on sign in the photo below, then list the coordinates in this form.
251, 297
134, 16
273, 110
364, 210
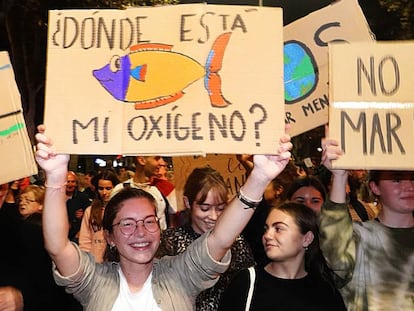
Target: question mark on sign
260, 121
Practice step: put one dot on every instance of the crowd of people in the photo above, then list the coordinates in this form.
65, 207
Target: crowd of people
289, 240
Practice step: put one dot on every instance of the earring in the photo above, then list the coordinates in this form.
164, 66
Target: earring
112, 247
306, 248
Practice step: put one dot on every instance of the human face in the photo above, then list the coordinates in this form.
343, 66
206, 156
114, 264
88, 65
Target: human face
71, 183
141, 246
205, 214
105, 188
282, 240
28, 204
152, 165
309, 196
396, 191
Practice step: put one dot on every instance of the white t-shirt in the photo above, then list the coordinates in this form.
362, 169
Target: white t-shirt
142, 300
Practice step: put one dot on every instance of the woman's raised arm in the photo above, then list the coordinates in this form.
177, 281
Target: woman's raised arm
237, 213
55, 219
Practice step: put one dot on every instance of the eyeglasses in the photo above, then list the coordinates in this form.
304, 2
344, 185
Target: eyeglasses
128, 226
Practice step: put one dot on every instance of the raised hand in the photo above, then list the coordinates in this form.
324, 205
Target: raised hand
46, 156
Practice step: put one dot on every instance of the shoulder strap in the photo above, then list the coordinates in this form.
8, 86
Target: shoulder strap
252, 273
359, 208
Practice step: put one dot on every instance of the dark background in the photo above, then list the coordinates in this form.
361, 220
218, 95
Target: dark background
23, 33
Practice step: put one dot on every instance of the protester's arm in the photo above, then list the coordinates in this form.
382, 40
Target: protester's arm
236, 215
332, 151
336, 229
55, 218
11, 299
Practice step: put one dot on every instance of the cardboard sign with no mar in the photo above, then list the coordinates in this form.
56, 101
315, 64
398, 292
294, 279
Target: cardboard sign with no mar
168, 80
372, 110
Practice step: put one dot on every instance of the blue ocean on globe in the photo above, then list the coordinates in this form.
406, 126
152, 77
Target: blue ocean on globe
300, 71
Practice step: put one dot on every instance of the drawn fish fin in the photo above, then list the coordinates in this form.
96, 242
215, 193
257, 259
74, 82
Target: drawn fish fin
212, 83
139, 72
158, 101
150, 46
215, 57
212, 80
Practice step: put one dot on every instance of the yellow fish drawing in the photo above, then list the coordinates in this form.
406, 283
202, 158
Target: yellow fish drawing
152, 75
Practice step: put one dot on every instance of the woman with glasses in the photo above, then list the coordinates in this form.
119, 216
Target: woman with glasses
31, 203
138, 281
205, 197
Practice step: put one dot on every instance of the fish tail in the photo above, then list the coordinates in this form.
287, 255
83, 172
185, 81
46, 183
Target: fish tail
212, 80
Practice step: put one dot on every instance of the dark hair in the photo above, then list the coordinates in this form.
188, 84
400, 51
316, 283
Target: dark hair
95, 219
113, 207
307, 181
201, 181
307, 220
374, 176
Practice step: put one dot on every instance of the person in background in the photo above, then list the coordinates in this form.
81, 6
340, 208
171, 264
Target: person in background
296, 277
76, 203
31, 203
134, 277
146, 167
359, 208
373, 260
91, 235
15, 187
205, 197
90, 190
26, 281
307, 190
167, 188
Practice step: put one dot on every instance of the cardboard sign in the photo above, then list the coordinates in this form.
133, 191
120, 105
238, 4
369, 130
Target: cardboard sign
229, 167
168, 80
372, 108
306, 60
16, 153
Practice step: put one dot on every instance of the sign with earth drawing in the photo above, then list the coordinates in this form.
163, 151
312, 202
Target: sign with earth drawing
168, 80
306, 60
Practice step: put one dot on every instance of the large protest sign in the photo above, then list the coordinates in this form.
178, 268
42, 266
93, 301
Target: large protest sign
372, 104
306, 60
182, 79
16, 153
233, 172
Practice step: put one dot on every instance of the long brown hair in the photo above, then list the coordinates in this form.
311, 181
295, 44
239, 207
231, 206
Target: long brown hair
95, 219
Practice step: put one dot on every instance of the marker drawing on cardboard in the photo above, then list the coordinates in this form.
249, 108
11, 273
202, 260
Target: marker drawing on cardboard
16, 152
153, 75
172, 80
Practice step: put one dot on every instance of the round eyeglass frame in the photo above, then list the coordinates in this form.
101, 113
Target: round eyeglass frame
122, 225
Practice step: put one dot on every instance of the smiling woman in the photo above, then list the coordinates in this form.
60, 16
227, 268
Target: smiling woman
205, 197
297, 268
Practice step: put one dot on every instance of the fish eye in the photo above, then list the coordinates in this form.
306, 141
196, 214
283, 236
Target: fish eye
115, 63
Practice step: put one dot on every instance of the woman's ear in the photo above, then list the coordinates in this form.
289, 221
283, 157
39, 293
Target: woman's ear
308, 239
108, 238
186, 202
374, 188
